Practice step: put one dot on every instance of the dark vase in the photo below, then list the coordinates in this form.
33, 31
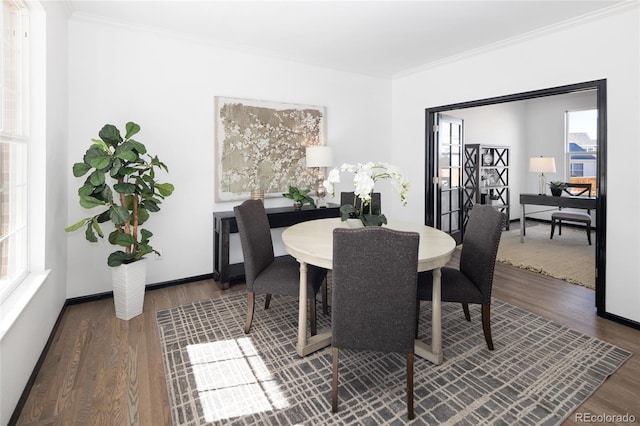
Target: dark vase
556, 192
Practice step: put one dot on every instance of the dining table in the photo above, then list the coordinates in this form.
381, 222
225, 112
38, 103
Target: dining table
311, 243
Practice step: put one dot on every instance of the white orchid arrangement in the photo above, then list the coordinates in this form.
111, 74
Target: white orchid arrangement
364, 181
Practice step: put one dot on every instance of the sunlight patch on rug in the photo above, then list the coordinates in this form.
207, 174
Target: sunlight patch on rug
538, 374
232, 380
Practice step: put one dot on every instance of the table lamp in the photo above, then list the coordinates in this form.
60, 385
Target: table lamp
320, 157
542, 165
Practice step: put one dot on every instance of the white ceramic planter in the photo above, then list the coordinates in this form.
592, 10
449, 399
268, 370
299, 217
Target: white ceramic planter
128, 288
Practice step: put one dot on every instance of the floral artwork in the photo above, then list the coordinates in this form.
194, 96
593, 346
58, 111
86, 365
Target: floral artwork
261, 145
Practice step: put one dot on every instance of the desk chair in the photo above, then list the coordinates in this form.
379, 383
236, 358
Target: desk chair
573, 215
374, 296
267, 274
472, 282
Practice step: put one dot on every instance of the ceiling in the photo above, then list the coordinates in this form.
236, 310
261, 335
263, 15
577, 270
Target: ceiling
376, 38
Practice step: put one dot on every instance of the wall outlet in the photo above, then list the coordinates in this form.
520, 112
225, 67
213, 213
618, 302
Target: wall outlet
159, 254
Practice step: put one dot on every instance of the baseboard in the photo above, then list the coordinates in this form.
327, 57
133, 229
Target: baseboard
619, 320
148, 287
75, 301
36, 369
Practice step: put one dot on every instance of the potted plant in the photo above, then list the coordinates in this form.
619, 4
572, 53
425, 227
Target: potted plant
121, 182
365, 177
556, 187
300, 197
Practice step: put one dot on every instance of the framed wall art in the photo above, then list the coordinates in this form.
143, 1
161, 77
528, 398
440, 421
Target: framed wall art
261, 145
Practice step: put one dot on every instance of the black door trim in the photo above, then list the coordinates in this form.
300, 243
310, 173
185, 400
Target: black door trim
601, 204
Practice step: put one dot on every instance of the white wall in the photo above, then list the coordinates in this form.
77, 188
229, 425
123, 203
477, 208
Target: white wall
24, 341
531, 128
167, 84
500, 124
609, 48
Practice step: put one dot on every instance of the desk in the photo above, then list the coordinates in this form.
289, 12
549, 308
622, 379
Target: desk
588, 203
312, 243
224, 223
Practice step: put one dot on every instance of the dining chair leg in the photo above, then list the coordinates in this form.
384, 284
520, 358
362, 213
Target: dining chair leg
486, 324
267, 301
417, 317
312, 316
325, 298
589, 234
553, 228
410, 413
334, 382
465, 308
251, 297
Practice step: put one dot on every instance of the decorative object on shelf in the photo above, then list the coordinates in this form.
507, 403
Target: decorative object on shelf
542, 165
484, 181
320, 156
129, 199
487, 157
364, 181
556, 187
261, 144
300, 197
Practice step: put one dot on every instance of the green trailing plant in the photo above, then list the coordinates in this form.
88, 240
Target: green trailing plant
299, 195
122, 181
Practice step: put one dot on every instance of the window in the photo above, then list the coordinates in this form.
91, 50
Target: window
582, 147
14, 93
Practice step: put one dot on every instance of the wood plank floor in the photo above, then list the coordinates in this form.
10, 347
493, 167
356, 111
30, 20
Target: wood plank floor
100, 370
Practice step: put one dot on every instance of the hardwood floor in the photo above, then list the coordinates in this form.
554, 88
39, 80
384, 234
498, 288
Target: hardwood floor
100, 370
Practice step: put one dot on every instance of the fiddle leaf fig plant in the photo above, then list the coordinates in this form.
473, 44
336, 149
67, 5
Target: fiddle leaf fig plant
122, 182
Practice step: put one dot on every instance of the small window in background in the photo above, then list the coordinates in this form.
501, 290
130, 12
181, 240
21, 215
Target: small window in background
14, 92
582, 147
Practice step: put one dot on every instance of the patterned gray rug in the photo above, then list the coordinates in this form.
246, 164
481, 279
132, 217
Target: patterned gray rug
538, 374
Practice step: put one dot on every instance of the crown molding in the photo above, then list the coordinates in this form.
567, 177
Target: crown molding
531, 35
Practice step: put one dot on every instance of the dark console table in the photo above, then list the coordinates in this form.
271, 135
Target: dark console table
224, 224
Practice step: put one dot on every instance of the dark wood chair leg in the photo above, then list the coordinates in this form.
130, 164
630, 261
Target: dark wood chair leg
267, 301
251, 297
417, 317
553, 228
465, 308
589, 234
312, 316
486, 325
325, 307
559, 227
334, 382
410, 413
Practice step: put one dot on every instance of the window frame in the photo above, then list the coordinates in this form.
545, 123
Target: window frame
14, 145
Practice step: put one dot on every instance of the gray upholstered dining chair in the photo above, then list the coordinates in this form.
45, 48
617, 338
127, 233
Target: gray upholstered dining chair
472, 282
573, 215
374, 296
265, 273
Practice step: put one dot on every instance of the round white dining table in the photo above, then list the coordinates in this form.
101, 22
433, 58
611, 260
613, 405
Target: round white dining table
312, 243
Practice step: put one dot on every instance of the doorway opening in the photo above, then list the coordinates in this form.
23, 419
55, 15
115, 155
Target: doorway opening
432, 201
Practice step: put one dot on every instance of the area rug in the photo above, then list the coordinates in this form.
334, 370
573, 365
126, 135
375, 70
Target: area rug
568, 257
538, 374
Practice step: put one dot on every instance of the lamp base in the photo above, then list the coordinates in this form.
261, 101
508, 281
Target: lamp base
542, 184
321, 202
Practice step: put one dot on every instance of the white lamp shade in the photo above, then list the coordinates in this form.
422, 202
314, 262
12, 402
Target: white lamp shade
542, 164
319, 156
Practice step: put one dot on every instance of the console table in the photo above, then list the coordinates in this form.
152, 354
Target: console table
224, 224
588, 203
